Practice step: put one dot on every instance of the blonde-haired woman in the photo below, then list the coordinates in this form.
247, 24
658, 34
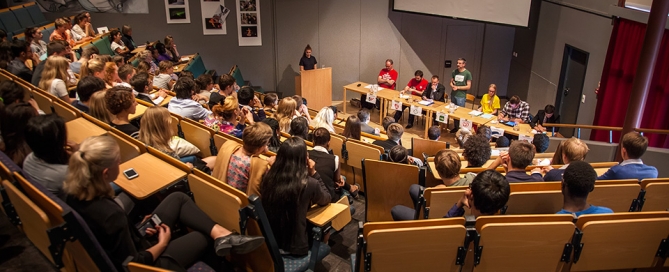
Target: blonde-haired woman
224, 118
155, 130
54, 77
490, 101
171, 48
93, 167
324, 119
285, 112
111, 74
97, 105
94, 67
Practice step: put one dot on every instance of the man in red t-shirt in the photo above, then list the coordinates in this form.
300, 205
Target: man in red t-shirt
416, 86
387, 78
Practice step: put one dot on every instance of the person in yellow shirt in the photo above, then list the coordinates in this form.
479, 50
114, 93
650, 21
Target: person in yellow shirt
490, 101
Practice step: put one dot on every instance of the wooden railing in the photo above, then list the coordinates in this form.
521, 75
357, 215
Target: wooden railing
578, 128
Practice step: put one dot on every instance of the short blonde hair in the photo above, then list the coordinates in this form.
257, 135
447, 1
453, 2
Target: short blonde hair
155, 129
54, 68
228, 109
574, 149
92, 66
285, 112
447, 163
256, 136
98, 107
164, 65
85, 180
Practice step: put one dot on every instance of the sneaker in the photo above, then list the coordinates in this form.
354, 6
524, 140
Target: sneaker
409, 126
237, 243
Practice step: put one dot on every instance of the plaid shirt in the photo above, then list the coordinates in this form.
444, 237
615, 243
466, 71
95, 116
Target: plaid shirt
522, 111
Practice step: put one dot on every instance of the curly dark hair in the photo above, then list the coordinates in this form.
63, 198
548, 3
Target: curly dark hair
477, 151
579, 178
490, 191
118, 99
540, 142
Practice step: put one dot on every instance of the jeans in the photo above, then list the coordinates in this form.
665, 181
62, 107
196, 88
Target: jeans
190, 159
400, 212
460, 101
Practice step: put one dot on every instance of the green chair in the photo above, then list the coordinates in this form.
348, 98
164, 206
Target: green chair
103, 46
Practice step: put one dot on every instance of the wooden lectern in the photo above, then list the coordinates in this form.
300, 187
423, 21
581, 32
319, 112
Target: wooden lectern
316, 86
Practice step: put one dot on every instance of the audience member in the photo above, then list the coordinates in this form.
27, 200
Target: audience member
55, 48
21, 52
271, 102
487, 194
248, 101
184, 104
82, 26
46, 135
94, 67
224, 118
239, 165
285, 112
86, 87
557, 156
572, 149
111, 74
540, 142
352, 129
462, 136
545, 116
11, 92
126, 30
364, 117
88, 192
577, 183
142, 84
490, 101
327, 166
502, 141
515, 110
162, 53
97, 105
33, 37
163, 79
434, 133
61, 30
394, 132
485, 131
476, 151
86, 54
117, 44
299, 127
12, 128
205, 85
275, 141
515, 161
121, 103
301, 107
385, 123
633, 146
171, 48
54, 78
226, 84
125, 74
447, 164
288, 190
400, 154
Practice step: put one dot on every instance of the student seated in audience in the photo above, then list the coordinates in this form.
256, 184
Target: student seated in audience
163, 79
275, 141
117, 44
545, 116
434, 133
224, 118
515, 110
121, 103
171, 48
270, 103
55, 48
633, 147
226, 84
490, 101
93, 166
394, 132
462, 135
162, 53
447, 164
94, 67
147, 62
578, 181
12, 128
385, 123
61, 31
515, 161
21, 52
125, 74
111, 74
476, 151
400, 154
86, 54
502, 141
156, 131
327, 166
302, 109
364, 117
540, 142
46, 135
54, 78
488, 192
142, 84
205, 85
97, 107
185, 103
352, 129
82, 26
86, 87
285, 113
33, 37
11, 92
239, 165
299, 127
485, 131
288, 190
126, 32
572, 150
248, 101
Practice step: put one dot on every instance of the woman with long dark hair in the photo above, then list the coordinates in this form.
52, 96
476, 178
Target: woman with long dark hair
13, 130
275, 141
353, 129
287, 190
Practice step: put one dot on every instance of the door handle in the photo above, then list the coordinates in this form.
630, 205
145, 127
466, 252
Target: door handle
566, 91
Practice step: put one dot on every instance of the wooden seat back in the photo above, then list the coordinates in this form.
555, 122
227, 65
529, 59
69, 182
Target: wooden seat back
617, 197
523, 245
358, 150
65, 111
655, 195
440, 200
43, 102
220, 138
222, 206
535, 186
175, 124
199, 135
169, 159
425, 146
620, 241
138, 267
337, 145
386, 185
97, 122
426, 245
128, 149
537, 202
430, 179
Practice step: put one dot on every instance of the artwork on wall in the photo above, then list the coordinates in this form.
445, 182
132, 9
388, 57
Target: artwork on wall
214, 15
177, 11
248, 20
101, 6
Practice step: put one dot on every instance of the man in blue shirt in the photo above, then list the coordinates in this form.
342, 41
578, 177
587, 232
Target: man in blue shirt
578, 181
520, 155
633, 147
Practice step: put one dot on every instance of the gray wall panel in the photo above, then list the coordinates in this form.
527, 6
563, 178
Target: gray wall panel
420, 47
496, 59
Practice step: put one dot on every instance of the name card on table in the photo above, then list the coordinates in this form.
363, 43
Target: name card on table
396, 105
371, 98
442, 117
523, 137
464, 123
418, 111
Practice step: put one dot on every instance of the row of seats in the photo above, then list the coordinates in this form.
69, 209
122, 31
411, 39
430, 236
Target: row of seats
16, 19
516, 243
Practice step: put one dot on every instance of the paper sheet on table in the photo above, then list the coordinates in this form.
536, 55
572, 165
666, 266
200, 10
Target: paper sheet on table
494, 152
185, 58
405, 96
426, 102
475, 113
487, 116
370, 87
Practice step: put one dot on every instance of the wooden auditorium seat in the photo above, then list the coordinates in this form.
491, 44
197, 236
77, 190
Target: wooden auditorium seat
129, 149
357, 151
386, 185
200, 136
430, 148
65, 111
438, 201
654, 195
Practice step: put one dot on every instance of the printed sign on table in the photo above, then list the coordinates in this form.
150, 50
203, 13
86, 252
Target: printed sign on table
396, 105
524, 137
418, 111
496, 132
442, 117
464, 123
371, 98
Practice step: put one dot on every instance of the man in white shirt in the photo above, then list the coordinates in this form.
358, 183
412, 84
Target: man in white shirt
185, 104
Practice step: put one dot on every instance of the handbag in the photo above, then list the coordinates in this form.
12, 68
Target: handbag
183, 148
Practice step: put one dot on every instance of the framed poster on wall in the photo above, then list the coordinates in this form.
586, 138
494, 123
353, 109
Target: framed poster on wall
177, 11
214, 15
248, 19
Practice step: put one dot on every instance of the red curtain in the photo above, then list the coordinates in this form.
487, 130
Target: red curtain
616, 84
